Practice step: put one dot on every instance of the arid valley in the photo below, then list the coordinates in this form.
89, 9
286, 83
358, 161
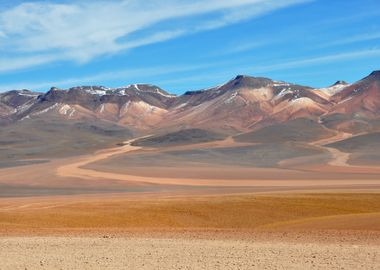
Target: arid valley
177, 134
307, 188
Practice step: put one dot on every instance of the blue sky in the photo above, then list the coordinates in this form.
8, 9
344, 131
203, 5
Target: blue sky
184, 45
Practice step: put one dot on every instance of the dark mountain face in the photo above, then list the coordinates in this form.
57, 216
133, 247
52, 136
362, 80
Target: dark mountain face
241, 104
375, 75
17, 98
243, 81
15, 102
340, 83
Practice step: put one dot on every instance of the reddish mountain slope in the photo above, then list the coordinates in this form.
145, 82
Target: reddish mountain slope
242, 104
356, 106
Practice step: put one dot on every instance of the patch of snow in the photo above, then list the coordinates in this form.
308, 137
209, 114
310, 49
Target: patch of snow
231, 98
96, 92
347, 99
124, 108
284, 92
25, 117
123, 87
46, 110
156, 90
25, 106
120, 92
67, 110
135, 86
72, 113
101, 110
280, 83
28, 94
215, 87
181, 105
64, 109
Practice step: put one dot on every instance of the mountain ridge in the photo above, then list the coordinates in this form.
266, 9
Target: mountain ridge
242, 104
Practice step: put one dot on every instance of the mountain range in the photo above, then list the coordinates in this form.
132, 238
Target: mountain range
67, 122
243, 104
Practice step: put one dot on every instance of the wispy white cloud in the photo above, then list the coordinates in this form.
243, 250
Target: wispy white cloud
240, 13
283, 66
245, 47
151, 72
332, 58
345, 18
353, 39
104, 77
242, 46
11, 64
44, 32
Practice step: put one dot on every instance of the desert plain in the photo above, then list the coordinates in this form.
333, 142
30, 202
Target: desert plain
189, 207
178, 134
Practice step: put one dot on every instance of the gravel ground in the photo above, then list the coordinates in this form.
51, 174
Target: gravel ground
177, 253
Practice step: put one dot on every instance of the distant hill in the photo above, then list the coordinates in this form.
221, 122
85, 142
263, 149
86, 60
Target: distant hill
187, 136
303, 130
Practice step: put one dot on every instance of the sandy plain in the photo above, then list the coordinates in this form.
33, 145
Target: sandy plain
66, 214
284, 230
169, 253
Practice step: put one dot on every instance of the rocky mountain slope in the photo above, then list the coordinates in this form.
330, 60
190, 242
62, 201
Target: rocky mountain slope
277, 120
241, 105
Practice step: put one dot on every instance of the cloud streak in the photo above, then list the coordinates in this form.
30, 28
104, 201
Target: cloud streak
36, 33
101, 78
332, 58
354, 39
151, 72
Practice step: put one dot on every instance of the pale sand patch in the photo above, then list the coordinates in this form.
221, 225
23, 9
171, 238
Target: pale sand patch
338, 158
180, 253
